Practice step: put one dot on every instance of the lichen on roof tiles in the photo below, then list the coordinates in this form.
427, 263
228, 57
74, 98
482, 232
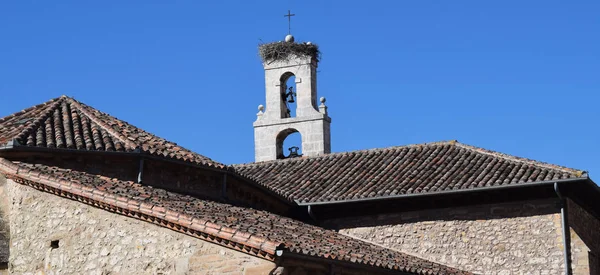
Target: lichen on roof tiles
396, 171
65, 123
258, 229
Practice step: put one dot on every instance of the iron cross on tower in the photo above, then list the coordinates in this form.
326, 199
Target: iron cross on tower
289, 16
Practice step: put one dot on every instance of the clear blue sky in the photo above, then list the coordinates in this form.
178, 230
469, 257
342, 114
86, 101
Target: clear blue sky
520, 77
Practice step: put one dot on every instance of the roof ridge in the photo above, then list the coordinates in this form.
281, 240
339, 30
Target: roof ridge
371, 150
43, 115
151, 209
104, 119
100, 123
513, 158
78, 126
576, 172
4, 119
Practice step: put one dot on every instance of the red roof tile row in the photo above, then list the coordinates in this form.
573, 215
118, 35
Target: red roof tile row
396, 171
249, 230
65, 123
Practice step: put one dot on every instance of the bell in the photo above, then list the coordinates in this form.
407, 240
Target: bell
294, 152
290, 98
290, 95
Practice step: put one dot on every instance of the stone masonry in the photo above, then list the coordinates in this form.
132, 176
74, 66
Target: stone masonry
513, 238
585, 240
4, 228
312, 122
88, 240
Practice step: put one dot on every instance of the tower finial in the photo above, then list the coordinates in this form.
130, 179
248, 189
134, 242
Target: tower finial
289, 16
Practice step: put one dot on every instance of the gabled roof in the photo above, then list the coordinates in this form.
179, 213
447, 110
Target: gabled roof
397, 171
65, 123
251, 231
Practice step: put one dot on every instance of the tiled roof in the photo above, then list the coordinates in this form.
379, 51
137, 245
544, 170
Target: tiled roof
395, 171
65, 123
249, 230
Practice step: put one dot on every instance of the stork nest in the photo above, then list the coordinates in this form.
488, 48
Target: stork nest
285, 50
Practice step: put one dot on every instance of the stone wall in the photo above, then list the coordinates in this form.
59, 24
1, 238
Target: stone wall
510, 238
94, 241
585, 240
4, 226
204, 183
122, 167
191, 180
580, 260
273, 125
179, 177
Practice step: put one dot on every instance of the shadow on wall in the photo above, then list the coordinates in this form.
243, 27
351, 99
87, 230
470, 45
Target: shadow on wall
4, 225
466, 213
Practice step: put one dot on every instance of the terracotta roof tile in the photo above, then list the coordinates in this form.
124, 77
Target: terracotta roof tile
394, 171
66, 123
239, 226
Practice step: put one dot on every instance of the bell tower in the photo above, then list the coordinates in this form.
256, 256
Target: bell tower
283, 61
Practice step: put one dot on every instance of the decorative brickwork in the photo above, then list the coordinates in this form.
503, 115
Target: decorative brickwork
512, 238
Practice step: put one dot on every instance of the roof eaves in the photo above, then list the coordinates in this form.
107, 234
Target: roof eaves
147, 212
15, 146
374, 265
447, 192
512, 158
254, 182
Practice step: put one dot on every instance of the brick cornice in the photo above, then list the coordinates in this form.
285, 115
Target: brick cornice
199, 228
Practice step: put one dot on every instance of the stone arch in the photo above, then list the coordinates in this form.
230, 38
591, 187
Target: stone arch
285, 76
288, 108
279, 140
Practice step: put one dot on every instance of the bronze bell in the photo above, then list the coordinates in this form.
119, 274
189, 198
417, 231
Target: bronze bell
290, 95
294, 152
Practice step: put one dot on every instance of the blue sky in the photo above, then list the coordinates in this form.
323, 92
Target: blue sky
520, 77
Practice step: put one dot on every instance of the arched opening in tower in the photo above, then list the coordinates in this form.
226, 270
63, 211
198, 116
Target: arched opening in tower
288, 95
289, 144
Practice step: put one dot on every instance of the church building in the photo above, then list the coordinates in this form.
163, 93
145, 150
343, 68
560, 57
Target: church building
82, 192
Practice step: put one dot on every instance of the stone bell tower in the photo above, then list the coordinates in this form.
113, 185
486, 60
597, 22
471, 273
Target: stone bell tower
281, 61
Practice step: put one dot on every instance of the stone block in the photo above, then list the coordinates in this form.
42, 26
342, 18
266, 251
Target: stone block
260, 269
131, 246
477, 241
309, 122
